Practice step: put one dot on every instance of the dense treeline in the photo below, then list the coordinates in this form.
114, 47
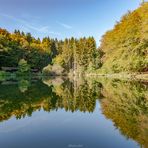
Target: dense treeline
67, 55
126, 46
76, 55
18, 45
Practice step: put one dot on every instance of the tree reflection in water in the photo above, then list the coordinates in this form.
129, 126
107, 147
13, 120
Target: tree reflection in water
124, 102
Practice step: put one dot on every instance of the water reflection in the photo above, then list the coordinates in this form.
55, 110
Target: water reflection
124, 102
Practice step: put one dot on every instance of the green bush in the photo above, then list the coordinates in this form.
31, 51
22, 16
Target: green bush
23, 67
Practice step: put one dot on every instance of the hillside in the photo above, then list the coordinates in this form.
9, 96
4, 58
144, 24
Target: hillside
125, 47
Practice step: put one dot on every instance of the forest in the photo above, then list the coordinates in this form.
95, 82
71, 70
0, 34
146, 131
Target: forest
22, 51
122, 49
126, 45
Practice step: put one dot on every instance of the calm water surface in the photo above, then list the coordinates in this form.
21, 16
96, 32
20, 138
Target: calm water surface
58, 113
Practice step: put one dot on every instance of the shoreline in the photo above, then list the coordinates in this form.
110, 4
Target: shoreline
133, 76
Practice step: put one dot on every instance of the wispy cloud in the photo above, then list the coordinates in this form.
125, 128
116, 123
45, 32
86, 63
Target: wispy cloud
29, 16
64, 25
28, 26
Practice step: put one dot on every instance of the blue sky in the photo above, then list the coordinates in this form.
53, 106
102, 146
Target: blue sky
63, 18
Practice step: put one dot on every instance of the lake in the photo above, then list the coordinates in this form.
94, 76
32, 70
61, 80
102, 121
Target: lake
80, 113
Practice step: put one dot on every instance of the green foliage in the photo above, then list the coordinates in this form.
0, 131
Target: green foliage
18, 45
71, 54
23, 66
126, 46
77, 54
23, 85
3, 75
